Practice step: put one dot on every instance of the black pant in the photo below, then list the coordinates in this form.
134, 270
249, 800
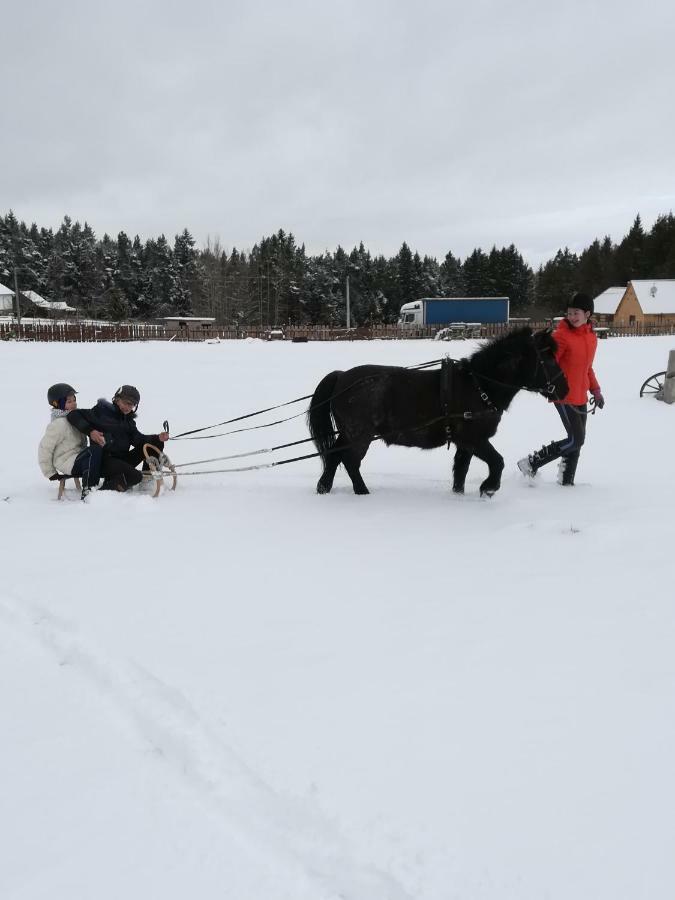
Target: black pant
574, 419
120, 472
87, 465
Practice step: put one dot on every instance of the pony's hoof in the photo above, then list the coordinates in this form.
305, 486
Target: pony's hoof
488, 492
363, 490
322, 489
458, 490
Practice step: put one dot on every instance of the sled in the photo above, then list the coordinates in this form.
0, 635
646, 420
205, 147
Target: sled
62, 485
159, 468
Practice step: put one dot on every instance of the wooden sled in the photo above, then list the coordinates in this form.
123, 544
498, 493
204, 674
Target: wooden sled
62, 485
159, 467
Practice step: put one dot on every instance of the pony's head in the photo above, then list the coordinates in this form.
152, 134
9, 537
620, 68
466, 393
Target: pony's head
548, 378
522, 359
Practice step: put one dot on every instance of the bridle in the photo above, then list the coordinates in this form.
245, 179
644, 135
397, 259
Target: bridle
550, 386
546, 391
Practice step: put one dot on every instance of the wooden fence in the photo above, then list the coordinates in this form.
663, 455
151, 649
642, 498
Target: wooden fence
135, 331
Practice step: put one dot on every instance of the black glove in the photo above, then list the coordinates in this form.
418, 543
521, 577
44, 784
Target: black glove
57, 477
598, 400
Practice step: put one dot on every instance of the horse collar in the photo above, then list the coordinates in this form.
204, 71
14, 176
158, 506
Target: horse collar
481, 393
447, 367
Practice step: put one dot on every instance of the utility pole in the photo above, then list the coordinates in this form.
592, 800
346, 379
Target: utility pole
349, 317
16, 296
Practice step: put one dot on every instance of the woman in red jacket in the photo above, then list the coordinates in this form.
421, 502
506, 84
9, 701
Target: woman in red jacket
576, 342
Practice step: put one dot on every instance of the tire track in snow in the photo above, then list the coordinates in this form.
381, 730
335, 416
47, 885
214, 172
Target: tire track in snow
285, 832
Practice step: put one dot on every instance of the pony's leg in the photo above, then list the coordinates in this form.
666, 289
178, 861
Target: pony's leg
351, 459
495, 462
330, 463
460, 467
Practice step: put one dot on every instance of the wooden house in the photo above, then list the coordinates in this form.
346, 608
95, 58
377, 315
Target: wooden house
647, 302
6, 300
189, 326
606, 304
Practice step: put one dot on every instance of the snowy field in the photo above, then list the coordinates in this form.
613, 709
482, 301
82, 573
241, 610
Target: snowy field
245, 690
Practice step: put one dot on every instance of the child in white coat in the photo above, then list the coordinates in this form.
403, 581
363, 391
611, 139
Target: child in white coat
63, 450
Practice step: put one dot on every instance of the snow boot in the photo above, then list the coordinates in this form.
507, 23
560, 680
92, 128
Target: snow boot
567, 470
529, 465
116, 483
526, 467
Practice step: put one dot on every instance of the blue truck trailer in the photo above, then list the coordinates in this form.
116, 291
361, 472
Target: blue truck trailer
451, 310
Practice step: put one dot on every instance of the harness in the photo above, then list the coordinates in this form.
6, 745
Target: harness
449, 370
451, 367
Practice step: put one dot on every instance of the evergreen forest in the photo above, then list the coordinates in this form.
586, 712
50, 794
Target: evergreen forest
278, 282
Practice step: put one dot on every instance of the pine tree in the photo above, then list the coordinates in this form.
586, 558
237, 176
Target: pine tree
188, 289
659, 250
117, 305
511, 277
477, 275
630, 254
556, 281
452, 277
159, 286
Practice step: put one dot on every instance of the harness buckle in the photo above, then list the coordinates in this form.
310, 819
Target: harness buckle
467, 415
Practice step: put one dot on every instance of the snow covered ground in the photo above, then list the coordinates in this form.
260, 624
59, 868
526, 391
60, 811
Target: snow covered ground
250, 691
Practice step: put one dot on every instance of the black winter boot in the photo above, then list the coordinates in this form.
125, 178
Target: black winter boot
530, 464
567, 470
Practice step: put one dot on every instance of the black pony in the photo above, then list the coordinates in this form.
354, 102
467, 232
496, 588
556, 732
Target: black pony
462, 402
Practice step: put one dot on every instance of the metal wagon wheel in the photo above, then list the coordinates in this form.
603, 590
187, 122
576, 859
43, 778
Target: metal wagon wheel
653, 384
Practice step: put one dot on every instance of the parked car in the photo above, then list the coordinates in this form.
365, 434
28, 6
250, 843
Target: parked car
458, 331
275, 334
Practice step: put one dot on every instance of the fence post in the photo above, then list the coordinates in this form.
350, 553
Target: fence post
669, 383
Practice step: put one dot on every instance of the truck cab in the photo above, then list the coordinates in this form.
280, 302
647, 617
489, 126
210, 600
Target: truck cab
411, 314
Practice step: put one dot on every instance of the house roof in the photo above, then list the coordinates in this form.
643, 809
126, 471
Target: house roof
607, 302
188, 319
655, 296
5, 290
35, 298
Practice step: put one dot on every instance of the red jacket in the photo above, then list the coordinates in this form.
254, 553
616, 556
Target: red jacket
576, 350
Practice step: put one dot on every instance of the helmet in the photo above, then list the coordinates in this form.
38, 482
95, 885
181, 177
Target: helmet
128, 392
581, 301
58, 392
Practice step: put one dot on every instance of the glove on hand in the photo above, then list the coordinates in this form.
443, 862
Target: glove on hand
57, 477
598, 399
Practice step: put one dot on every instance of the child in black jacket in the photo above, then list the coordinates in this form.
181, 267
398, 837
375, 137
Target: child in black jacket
113, 427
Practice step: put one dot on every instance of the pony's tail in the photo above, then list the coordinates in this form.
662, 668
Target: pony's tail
319, 417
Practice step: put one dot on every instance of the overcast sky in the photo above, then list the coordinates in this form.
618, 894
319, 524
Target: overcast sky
447, 125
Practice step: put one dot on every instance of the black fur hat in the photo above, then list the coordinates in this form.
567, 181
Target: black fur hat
581, 301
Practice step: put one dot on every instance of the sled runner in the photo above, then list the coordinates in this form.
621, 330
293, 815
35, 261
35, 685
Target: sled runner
62, 485
159, 466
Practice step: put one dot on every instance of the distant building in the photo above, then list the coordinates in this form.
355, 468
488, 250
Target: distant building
53, 306
6, 299
606, 304
647, 302
188, 324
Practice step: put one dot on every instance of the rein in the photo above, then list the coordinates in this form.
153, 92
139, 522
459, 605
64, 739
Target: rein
283, 462
186, 435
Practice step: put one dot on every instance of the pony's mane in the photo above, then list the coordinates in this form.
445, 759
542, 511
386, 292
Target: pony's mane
498, 349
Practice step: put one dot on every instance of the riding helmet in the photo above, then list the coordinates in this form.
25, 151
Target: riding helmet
58, 393
128, 392
581, 301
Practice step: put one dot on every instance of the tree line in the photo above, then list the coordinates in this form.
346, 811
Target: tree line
278, 282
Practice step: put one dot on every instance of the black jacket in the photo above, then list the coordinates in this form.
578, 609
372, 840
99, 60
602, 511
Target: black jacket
120, 430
